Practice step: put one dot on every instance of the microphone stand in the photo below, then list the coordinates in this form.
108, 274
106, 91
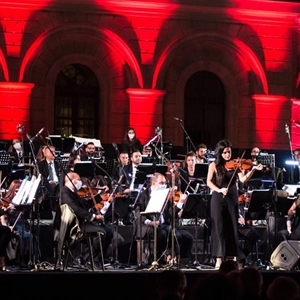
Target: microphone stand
188, 139
287, 130
32, 210
20, 128
173, 235
115, 227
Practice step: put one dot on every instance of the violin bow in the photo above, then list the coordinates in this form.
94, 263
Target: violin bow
233, 175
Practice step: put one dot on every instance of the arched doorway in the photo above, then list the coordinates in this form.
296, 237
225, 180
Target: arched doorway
204, 108
76, 102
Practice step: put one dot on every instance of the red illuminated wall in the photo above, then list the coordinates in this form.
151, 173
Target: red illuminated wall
14, 108
143, 53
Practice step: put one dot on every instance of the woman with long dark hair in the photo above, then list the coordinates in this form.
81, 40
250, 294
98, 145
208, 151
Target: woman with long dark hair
222, 180
130, 142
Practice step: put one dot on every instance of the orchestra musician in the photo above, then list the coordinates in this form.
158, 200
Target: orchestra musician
16, 150
7, 210
100, 190
187, 173
74, 157
89, 221
131, 142
118, 170
49, 170
13, 219
201, 151
221, 179
131, 169
292, 231
89, 151
184, 240
5, 237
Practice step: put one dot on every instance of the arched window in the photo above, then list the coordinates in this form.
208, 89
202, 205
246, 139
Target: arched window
76, 102
204, 108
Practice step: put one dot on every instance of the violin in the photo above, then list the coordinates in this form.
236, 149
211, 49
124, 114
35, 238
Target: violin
88, 192
176, 197
244, 198
4, 203
244, 164
109, 197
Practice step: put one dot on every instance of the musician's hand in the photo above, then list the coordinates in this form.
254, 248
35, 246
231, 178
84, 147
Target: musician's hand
52, 182
126, 191
154, 223
11, 228
258, 167
180, 213
11, 206
183, 198
106, 188
223, 191
241, 221
99, 218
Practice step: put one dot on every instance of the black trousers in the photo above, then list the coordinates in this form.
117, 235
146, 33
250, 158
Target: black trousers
250, 236
106, 239
5, 236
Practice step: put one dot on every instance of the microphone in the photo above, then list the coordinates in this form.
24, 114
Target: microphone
177, 119
20, 127
37, 135
286, 128
115, 146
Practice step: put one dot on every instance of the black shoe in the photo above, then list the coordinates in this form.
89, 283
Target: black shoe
97, 266
259, 264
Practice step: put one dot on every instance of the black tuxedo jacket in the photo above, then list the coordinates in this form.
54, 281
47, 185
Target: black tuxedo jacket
78, 205
44, 171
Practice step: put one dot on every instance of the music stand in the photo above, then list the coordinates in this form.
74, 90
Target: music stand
195, 207
64, 144
155, 208
24, 198
147, 168
259, 206
84, 169
260, 203
6, 168
201, 170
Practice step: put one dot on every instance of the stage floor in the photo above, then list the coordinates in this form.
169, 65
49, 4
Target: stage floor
113, 283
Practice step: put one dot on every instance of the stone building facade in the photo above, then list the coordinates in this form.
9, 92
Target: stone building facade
143, 53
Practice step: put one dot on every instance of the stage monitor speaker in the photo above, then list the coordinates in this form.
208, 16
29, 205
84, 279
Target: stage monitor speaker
286, 255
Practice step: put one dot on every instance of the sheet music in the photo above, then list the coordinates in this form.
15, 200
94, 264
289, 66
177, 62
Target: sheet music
19, 196
291, 189
33, 190
157, 201
81, 140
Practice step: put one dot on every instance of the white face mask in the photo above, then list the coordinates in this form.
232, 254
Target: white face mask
131, 135
78, 185
161, 187
17, 146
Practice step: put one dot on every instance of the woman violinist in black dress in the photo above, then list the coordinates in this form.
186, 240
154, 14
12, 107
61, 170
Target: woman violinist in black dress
224, 202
